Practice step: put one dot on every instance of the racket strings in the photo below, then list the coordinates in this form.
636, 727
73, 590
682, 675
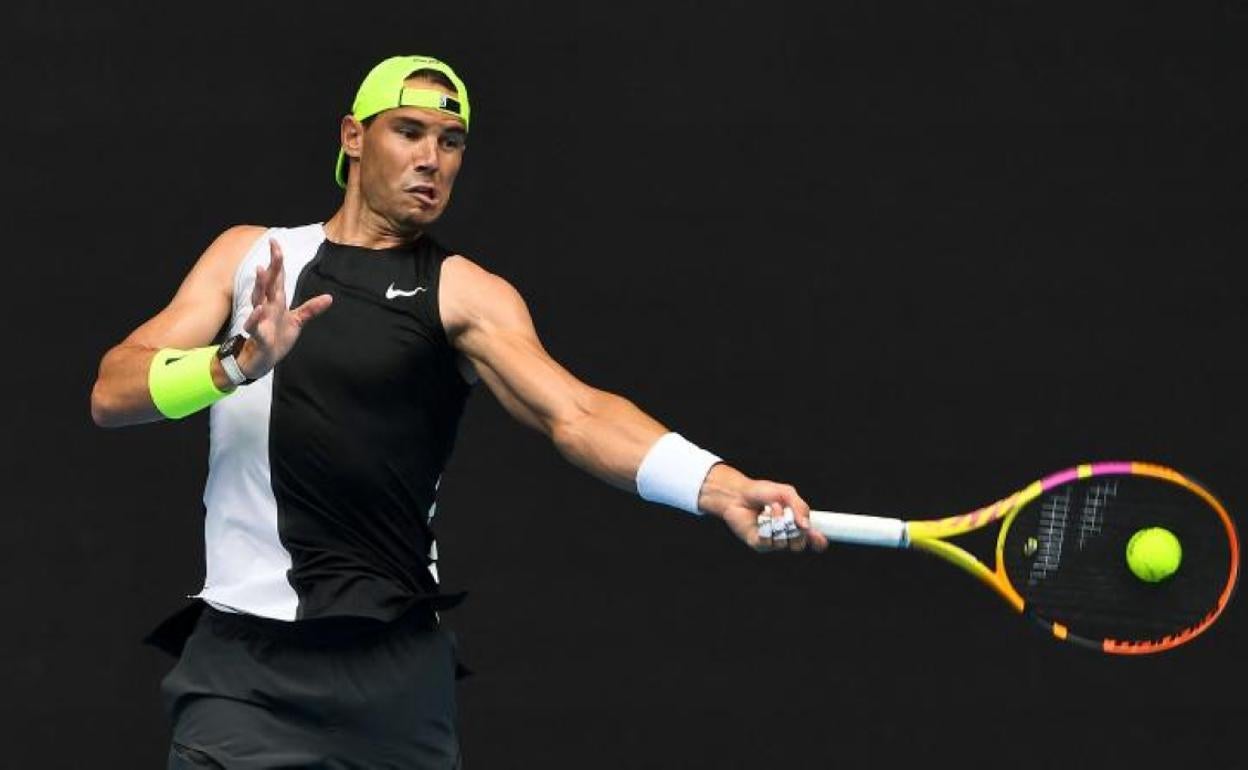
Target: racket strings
1065, 553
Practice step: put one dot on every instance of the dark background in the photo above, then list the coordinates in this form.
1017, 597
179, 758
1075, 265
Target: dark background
906, 258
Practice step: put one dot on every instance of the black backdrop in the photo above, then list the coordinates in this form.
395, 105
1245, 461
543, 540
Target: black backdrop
906, 258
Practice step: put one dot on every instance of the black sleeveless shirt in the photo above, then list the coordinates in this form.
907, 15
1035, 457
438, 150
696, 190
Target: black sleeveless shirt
324, 474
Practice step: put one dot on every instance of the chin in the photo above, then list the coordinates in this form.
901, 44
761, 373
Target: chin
413, 222
426, 216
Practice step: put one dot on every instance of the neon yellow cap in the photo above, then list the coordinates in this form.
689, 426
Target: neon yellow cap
383, 90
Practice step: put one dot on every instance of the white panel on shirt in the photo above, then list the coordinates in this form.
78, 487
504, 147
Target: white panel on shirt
247, 566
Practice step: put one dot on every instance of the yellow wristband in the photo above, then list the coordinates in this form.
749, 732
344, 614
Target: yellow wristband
180, 381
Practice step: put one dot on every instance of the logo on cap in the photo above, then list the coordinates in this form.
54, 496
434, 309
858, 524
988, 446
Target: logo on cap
449, 104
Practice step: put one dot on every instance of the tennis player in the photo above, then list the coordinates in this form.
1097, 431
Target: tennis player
336, 358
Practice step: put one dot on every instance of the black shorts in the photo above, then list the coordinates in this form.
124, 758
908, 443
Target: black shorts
254, 693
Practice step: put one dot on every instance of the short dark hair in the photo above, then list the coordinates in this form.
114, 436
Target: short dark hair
434, 76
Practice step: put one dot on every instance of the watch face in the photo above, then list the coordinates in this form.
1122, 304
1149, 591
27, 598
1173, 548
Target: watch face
231, 346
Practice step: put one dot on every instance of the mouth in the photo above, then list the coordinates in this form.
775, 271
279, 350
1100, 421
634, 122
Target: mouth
426, 192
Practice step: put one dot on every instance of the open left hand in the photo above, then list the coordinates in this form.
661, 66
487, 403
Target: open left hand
273, 327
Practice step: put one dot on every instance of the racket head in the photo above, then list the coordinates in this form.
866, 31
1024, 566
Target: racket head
1061, 555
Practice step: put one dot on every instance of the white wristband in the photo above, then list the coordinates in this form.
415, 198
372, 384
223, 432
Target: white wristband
672, 473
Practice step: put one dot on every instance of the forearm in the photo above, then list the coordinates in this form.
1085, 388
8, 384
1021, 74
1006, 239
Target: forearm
121, 394
611, 440
608, 439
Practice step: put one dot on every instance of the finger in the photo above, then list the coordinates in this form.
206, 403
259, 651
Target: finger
277, 265
775, 525
783, 529
311, 309
797, 536
818, 540
801, 511
257, 287
801, 514
277, 274
763, 529
253, 320
779, 536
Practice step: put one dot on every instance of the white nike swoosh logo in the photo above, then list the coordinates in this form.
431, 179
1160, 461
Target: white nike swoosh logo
392, 292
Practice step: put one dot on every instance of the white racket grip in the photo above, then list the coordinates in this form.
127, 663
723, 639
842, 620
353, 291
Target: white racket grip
861, 530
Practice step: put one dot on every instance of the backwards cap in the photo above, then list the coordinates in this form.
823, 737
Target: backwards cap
383, 89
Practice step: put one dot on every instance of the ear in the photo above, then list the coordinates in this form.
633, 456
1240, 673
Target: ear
351, 134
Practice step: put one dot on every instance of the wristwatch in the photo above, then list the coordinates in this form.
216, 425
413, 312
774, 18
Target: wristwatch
228, 355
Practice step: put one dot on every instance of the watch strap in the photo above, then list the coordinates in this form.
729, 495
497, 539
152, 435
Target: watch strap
229, 362
233, 371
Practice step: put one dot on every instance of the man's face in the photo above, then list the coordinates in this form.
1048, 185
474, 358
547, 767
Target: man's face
409, 158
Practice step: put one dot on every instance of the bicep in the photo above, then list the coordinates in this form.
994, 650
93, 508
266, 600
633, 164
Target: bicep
531, 386
202, 303
498, 337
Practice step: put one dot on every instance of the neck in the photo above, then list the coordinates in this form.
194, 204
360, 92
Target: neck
355, 224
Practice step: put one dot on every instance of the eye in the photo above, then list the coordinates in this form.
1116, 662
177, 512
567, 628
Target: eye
453, 141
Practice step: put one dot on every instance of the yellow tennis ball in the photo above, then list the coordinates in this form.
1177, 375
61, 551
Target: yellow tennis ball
1153, 554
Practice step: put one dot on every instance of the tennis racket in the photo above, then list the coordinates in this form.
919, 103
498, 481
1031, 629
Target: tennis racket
1061, 553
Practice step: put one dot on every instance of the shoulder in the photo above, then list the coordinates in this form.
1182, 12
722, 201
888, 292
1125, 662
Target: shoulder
239, 244
236, 240
239, 239
220, 260
470, 295
227, 249
463, 272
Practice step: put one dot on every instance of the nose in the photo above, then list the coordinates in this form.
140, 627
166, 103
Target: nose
425, 154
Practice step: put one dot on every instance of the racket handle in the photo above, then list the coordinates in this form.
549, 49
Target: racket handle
861, 530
